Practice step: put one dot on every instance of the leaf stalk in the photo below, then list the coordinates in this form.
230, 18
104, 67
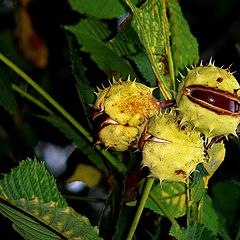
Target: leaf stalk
145, 194
120, 166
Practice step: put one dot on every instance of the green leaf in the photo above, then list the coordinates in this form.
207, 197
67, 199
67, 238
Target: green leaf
151, 24
207, 215
184, 46
171, 196
144, 67
30, 180
7, 98
30, 199
92, 34
85, 91
124, 43
226, 199
36, 220
223, 230
77, 140
192, 232
122, 223
100, 9
197, 189
197, 192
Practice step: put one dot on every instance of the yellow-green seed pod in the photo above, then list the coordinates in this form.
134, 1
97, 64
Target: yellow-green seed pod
170, 152
124, 106
118, 137
128, 102
209, 99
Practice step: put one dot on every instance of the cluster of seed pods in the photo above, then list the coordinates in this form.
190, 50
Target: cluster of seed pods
174, 143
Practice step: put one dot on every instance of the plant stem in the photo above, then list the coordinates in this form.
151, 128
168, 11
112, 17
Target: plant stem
120, 166
141, 205
165, 210
171, 68
46, 96
31, 98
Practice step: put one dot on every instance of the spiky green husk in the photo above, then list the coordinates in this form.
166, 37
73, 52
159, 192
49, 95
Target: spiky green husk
118, 137
209, 123
208, 75
176, 160
206, 121
128, 102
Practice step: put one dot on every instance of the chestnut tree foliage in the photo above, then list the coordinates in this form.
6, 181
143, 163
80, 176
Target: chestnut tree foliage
149, 40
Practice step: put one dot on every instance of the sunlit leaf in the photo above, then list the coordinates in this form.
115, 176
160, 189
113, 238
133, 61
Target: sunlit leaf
151, 24
30, 180
36, 220
30, 199
171, 196
183, 45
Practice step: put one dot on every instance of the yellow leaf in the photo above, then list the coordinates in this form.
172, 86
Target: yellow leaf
87, 174
216, 157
